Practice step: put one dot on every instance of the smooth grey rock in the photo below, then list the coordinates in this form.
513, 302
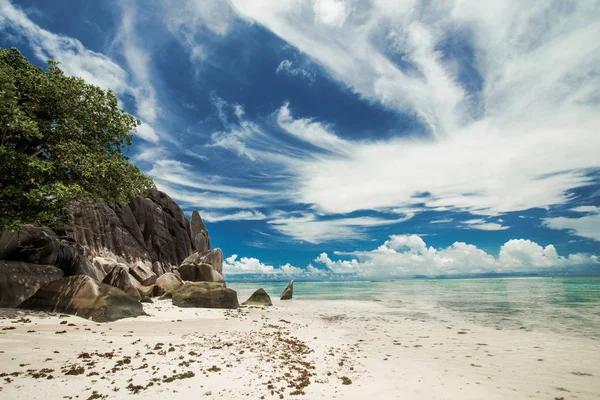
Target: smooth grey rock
288, 292
167, 283
84, 297
19, 280
143, 273
204, 295
120, 278
259, 298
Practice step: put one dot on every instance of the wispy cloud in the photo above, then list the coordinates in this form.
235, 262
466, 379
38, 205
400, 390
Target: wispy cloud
95, 68
490, 149
246, 215
587, 226
286, 67
483, 225
310, 228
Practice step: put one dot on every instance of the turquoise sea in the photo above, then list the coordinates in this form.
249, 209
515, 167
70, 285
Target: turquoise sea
563, 305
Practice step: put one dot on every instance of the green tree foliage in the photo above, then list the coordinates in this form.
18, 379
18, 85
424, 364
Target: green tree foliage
61, 143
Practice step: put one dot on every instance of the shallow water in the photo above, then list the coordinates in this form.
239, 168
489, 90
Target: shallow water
565, 305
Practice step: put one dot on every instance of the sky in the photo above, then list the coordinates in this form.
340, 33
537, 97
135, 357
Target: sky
333, 139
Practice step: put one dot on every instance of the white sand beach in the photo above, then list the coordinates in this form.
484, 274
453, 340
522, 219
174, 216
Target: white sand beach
295, 349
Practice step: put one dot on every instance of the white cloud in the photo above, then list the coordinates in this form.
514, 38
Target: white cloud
311, 131
587, 226
330, 12
245, 215
287, 67
186, 18
483, 225
586, 209
522, 141
408, 255
205, 200
76, 60
138, 61
93, 67
147, 132
441, 221
179, 173
249, 265
310, 228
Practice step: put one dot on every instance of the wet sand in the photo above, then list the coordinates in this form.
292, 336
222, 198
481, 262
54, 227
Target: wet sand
295, 349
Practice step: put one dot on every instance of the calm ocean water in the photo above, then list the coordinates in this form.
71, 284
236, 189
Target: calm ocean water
564, 305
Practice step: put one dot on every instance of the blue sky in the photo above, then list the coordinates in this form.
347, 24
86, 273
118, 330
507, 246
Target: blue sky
354, 139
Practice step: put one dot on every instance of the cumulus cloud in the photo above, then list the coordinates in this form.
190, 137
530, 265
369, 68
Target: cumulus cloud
587, 226
408, 255
248, 265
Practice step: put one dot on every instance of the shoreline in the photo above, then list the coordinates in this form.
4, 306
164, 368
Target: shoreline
296, 349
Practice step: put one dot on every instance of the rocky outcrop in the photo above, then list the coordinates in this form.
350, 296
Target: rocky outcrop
288, 292
84, 297
150, 229
19, 280
259, 298
167, 283
127, 246
44, 247
120, 278
205, 295
206, 266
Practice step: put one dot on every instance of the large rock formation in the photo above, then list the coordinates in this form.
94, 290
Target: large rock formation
206, 266
84, 297
259, 298
288, 292
19, 280
205, 295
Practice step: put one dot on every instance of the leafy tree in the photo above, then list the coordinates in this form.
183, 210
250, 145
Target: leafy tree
61, 144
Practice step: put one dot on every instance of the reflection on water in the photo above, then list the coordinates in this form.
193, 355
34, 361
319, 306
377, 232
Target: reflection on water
565, 305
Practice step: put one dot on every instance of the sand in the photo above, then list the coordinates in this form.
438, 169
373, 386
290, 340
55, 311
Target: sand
295, 349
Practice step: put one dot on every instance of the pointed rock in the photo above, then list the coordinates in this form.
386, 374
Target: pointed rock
287, 293
259, 298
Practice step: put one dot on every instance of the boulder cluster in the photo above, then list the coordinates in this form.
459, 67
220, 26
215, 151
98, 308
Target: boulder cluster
108, 259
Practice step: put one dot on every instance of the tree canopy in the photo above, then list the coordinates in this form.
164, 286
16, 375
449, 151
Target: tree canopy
61, 143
